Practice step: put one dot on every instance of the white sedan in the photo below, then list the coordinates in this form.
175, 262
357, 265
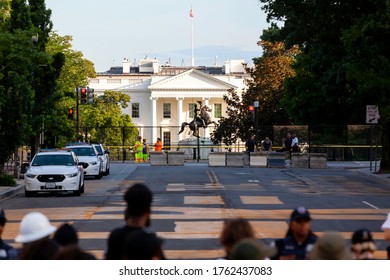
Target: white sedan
54, 171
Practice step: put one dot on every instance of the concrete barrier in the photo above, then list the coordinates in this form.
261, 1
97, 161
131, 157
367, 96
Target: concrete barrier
276, 159
235, 159
175, 158
299, 160
246, 158
318, 161
158, 158
217, 159
258, 159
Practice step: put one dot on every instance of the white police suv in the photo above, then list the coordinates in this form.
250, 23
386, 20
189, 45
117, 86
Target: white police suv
87, 153
103, 155
54, 171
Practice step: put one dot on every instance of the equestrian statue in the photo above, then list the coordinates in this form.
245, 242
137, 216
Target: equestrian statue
201, 119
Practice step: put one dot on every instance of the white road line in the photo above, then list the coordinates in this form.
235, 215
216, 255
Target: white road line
369, 204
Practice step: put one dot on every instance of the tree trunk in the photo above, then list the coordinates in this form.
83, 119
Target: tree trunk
385, 162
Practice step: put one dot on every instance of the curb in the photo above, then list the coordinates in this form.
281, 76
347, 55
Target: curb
377, 178
11, 191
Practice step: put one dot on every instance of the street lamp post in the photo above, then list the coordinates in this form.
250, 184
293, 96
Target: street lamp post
256, 105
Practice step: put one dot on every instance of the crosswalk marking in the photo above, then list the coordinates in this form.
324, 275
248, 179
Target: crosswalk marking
209, 200
260, 200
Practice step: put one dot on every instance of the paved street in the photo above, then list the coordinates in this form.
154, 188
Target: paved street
192, 201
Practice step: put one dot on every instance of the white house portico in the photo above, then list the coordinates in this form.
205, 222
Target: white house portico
162, 98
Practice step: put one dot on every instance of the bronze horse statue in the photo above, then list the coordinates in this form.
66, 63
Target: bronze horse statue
202, 119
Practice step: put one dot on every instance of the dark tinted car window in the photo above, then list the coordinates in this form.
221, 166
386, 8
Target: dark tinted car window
53, 160
85, 151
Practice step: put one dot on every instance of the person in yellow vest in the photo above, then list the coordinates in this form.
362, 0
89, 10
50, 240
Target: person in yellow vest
138, 150
145, 150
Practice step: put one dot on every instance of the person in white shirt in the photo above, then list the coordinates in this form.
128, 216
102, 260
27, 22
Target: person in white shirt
294, 144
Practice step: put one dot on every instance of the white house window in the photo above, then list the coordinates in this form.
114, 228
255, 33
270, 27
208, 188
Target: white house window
167, 140
135, 110
217, 110
191, 109
167, 110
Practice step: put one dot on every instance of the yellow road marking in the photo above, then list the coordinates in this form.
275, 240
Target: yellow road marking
206, 200
260, 200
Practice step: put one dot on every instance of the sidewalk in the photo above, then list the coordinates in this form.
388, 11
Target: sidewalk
362, 167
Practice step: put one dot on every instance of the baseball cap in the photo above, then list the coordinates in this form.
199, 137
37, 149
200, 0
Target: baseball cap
361, 235
330, 246
300, 212
386, 224
251, 249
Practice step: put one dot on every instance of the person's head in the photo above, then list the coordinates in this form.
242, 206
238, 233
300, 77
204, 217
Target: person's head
251, 249
363, 246
288, 134
144, 140
300, 223
159, 139
330, 246
139, 137
66, 235
3, 220
253, 137
266, 139
33, 227
142, 245
234, 231
139, 201
386, 228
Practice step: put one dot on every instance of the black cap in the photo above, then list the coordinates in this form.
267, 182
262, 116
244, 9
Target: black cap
300, 213
2, 215
361, 235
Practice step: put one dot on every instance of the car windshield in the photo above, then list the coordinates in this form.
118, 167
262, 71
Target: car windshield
84, 151
99, 149
53, 160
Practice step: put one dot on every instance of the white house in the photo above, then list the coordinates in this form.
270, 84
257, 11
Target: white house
163, 97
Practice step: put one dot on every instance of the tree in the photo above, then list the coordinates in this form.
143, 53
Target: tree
324, 84
5, 12
266, 85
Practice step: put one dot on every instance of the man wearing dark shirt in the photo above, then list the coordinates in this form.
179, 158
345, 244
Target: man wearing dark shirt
299, 239
250, 144
137, 216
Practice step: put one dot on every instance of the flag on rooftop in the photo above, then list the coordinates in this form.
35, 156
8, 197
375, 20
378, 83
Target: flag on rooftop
191, 14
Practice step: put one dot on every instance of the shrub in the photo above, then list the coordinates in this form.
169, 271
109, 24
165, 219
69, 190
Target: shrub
7, 180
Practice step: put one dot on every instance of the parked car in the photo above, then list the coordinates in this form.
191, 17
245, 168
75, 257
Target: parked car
88, 154
104, 156
54, 171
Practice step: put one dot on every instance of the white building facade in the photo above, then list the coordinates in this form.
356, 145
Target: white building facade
163, 97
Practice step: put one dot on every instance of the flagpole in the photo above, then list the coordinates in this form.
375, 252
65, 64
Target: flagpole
192, 39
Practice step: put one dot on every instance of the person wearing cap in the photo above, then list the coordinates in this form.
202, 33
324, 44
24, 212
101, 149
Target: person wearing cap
362, 245
137, 217
251, 249
386, 229
330, 246
7, 252
34, 233
299, 239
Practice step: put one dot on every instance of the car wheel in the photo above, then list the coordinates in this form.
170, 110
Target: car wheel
77, 193
82, 187
108, 171
28, 194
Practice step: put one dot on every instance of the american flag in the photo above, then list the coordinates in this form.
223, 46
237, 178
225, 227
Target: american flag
191, 14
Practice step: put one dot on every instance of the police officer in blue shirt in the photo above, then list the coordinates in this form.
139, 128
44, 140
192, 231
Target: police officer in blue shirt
299, 239
7, 252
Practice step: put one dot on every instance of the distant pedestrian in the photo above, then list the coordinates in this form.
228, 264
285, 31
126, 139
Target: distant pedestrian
145, 151
234, 231
330, 246
142, 245
137, 217
294, 144
363, 246
7, 252
251, 144
158, 145
34, 233
299, 239
266, 144
386, 229
251, 249
138, 150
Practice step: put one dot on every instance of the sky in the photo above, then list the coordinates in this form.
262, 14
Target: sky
106, 32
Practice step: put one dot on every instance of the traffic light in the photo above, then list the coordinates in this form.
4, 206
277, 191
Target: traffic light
251, 109
83, 95
71, 113
90, 95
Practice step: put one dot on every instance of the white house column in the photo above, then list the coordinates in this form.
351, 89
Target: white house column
154, 119
180, 114
206, 103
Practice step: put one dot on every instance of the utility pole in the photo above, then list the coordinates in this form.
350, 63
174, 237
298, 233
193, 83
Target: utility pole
256, 105
77, 112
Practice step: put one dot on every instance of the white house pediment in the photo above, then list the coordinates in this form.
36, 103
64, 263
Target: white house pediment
190, 80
